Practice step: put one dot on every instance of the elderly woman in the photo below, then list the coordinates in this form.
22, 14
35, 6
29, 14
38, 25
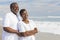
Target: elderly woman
27, 28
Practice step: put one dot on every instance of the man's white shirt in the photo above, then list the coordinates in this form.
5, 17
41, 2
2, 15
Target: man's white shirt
10, 20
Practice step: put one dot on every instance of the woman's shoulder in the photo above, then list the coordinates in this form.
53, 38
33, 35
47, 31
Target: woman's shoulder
31, 21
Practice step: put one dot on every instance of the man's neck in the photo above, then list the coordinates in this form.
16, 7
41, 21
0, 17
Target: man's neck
15, 13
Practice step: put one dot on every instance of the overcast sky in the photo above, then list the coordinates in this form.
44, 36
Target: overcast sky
34, 7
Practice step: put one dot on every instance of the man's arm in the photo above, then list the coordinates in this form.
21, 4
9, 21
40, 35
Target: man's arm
10, 30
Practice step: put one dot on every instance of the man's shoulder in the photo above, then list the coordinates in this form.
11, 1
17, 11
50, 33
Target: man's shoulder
9, 13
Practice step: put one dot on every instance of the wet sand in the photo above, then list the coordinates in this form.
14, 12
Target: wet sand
47, 36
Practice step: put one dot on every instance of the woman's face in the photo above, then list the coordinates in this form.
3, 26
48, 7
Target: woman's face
24, 15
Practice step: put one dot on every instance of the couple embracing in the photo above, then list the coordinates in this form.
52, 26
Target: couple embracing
16, 28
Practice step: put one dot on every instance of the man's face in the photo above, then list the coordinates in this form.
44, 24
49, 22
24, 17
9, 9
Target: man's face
15, 9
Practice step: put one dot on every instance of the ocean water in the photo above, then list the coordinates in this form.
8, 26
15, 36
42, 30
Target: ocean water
46, 19
41, 19
48, 25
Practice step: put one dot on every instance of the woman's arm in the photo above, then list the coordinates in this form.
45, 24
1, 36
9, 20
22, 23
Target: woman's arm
35, 30
28, 33
32, 32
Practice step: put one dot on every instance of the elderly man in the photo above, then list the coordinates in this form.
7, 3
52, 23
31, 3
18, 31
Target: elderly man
10, 29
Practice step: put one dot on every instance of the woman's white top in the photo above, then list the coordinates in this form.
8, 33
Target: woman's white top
23, 27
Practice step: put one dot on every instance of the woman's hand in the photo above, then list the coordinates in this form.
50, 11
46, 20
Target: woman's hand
19, 34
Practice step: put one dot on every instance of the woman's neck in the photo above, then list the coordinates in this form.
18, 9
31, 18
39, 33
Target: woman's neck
26, 21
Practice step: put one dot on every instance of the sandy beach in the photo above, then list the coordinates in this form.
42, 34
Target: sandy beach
0, 32
47, 36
